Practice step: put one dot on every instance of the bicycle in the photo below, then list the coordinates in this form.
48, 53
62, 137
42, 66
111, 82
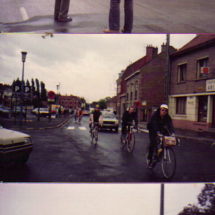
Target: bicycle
128, 138
79, 119
165, 154
94, 133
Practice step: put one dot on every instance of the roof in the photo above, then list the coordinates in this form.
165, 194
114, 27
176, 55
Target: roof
197, 42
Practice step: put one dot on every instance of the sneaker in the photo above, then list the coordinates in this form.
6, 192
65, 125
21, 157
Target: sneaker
108, 31
150, 163
68, 19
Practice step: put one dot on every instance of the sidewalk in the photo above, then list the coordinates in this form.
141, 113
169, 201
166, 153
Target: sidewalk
205, 136
33, 123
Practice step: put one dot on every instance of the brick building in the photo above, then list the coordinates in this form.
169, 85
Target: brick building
147, 85
192, 89
70, 102
122, 96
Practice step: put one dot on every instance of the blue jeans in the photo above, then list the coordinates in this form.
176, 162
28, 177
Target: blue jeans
61, 9
114, 15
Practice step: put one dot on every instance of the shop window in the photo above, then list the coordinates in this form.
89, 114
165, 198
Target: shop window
200, 64
181, 105
182, 70
202, 109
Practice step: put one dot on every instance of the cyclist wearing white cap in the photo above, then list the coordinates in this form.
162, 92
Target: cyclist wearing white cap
160, 123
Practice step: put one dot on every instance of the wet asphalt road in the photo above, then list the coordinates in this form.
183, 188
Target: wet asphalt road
66, 154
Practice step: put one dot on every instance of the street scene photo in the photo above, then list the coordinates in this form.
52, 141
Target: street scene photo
88, 108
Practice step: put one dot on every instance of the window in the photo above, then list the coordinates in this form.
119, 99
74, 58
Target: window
182, 70
136, 89
202, 63
131, 97
181, 105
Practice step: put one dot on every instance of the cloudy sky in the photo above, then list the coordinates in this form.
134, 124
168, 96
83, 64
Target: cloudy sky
95, 199
85, 65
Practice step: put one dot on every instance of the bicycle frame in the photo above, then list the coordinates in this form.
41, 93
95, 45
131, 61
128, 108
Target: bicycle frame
94, 134
128, 139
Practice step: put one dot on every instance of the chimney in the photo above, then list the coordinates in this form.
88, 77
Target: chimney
151, 51
163, 48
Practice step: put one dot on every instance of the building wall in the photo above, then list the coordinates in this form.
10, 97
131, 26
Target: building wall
192, 88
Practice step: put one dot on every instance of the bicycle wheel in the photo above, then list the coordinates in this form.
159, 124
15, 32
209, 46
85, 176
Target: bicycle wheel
123, 141
131, 142
94, 136
147, 153
168, 162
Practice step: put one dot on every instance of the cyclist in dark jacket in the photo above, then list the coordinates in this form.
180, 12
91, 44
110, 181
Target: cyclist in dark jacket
128, 118
160, 123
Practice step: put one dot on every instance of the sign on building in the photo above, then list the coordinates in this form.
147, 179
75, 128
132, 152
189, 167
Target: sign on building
210, 85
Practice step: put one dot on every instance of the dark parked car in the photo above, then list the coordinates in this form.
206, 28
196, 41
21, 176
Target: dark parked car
4, 112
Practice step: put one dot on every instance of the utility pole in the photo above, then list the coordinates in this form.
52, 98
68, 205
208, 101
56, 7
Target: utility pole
162, 200
167, 73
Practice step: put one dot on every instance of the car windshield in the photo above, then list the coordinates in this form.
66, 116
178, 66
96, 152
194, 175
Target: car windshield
109, 115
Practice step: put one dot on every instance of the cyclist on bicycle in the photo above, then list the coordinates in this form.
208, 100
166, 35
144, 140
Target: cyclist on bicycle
76, 114
159, 124
80, 114
95, 116
129, 118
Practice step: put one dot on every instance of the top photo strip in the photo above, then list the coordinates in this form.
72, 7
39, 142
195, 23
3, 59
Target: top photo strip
107, 16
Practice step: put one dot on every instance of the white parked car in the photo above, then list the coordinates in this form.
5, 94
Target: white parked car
14, 146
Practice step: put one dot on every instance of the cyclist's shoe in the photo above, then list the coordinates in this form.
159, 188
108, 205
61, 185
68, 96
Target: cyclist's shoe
150, 164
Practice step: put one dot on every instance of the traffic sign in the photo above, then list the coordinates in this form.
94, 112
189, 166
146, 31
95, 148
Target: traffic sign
51, 94
137, 104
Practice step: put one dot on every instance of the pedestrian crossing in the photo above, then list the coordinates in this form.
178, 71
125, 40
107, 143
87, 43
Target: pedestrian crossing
80, 128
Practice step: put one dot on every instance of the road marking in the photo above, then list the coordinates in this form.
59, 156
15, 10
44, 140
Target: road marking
82, 128
71, 127
144, 130
24, 13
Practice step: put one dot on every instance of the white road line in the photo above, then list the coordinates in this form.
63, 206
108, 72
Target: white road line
24, 13
71, 128
82, 128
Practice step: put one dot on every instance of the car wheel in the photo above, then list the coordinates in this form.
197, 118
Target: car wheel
116, 130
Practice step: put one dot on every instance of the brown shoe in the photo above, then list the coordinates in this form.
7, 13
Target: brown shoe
108, 31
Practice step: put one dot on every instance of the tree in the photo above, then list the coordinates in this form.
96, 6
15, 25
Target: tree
206, 202
43, 91
102, 103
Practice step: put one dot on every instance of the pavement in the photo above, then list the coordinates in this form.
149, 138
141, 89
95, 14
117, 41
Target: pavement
45, 123
33, 122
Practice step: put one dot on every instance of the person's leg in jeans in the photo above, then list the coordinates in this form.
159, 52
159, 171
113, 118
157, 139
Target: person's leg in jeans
153, 142
128, 8
61, 9
114, 15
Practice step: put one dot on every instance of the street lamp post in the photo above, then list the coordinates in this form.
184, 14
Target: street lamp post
21, 108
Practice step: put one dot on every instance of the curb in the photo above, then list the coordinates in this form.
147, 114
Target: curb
143, 129
42, 128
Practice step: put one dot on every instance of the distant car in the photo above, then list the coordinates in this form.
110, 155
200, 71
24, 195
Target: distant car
109, 121
16, 111
86, 112
43, 112
34, 111
4, 112
14, 146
